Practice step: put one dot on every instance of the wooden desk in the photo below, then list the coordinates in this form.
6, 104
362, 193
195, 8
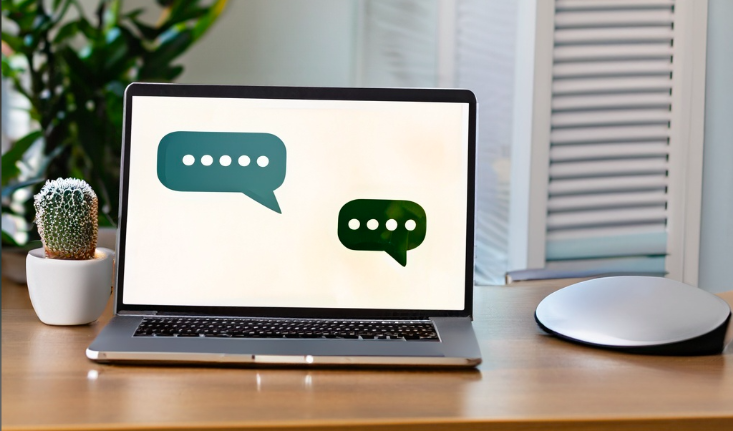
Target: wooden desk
528, 381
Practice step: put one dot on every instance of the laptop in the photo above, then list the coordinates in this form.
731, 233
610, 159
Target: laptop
294, 226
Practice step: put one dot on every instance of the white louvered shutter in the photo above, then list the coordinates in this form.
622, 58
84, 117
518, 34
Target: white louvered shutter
608, 133
609, 142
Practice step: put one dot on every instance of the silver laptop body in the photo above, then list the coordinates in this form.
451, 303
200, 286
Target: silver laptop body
214, 235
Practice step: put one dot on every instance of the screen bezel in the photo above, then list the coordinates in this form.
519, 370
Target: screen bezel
295, 93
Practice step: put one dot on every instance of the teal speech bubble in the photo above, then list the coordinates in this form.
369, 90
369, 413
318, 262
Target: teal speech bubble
249, 163
391, 226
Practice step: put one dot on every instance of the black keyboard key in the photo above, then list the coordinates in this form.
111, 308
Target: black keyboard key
287, 328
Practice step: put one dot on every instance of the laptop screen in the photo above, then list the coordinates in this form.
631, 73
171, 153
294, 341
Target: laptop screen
296, 203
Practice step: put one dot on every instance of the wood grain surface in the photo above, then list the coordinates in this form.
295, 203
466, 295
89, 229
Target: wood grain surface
528, 381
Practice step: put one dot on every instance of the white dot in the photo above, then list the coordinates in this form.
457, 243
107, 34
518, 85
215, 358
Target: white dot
207, 160
243, 160
391, 224
263, 161
410, 225
354, 224
225, 160
188, 160
372, 224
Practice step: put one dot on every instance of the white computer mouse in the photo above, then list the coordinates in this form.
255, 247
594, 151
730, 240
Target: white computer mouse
651, 315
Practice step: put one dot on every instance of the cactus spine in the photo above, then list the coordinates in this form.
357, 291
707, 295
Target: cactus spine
66, 215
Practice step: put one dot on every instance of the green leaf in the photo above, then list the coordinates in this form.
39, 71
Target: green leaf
164, 3
208, 20
60, 10
41, 25
66, 31
111, 13
115, 50
9, 240
30, 245
104, 220
15, 43
86, 28
8, 70
157, 61
133, 14
172, 73
145, 30
15, 154
21, 13
50, 157
187, 13
9, 189
79, 71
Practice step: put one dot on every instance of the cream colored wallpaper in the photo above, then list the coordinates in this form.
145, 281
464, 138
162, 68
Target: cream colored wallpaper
225, 249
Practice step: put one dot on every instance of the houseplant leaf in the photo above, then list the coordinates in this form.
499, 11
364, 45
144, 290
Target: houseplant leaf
11, 188
15, 154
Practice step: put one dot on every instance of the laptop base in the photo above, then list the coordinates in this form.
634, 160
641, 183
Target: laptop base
116, 344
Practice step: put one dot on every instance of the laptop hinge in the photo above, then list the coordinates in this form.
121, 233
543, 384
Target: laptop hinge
136, 313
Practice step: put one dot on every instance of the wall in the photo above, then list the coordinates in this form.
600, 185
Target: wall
716, 234
283, 42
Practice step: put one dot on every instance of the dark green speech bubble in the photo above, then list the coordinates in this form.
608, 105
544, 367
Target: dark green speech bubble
249, 163
382, 225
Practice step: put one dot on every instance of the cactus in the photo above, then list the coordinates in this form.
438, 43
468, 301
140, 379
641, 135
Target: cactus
66, 215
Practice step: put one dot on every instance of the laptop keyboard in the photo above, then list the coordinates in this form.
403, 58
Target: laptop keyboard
400, 330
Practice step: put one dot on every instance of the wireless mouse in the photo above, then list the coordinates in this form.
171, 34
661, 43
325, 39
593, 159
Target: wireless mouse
650, 315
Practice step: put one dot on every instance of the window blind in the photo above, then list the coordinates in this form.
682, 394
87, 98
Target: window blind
609, 142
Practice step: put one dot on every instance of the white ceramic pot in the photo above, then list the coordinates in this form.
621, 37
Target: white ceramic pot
69, 292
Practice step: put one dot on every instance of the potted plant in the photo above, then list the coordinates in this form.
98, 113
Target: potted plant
69, 278
68, 68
